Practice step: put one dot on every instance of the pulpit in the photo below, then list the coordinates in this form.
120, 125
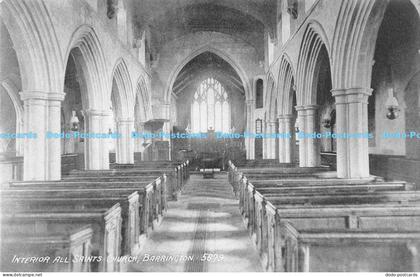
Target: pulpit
160, 145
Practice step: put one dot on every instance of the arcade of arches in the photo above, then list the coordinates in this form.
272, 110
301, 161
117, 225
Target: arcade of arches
337, 82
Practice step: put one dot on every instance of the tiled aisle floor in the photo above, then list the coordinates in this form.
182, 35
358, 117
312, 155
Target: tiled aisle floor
205, 219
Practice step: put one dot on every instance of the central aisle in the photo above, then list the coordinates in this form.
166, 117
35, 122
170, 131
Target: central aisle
205, 220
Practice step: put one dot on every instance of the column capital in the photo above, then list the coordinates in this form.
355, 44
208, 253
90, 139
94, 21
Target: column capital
250, 101
299, 108
126, 120
42, 95
310, 107
351, 95
285, 116
94, 112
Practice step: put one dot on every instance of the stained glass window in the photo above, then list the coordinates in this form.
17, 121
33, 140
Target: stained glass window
210, 108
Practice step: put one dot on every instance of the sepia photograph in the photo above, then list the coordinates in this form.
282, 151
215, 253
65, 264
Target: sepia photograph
224, 136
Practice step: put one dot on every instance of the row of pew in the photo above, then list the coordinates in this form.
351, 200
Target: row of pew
89, 220
304, 219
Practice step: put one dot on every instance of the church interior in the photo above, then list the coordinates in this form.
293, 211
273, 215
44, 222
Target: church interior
210, 135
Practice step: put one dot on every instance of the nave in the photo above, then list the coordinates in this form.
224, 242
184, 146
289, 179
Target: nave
205, 219
107, 105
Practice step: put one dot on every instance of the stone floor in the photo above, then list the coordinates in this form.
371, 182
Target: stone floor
204, 220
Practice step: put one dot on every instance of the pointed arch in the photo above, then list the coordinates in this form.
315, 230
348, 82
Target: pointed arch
271, 96
36, 45
91, 61
241, 73
354, 42
314, 39
123, 97
13, 92
143, 111
286, 87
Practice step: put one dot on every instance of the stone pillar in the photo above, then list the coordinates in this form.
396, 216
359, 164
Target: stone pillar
42, 155
271, 141
302, 141
138, 142
20, 128
304, 258
96, 149
125, 145
313, 157
167, 127
250, 123
287, 144
352, 119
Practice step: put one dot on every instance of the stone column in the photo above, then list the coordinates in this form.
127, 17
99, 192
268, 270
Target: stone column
271, 142
167, 127
250, 122
352, 119
302, 142
138, 147
313, 157
96, 149
125, 143
304, 258
42, 155
287, 145
20, 127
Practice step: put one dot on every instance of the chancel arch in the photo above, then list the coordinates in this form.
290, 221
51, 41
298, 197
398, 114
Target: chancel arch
210, 98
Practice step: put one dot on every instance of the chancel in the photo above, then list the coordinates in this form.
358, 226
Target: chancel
210, 135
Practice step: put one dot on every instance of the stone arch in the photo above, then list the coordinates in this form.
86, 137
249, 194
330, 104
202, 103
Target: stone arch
36, 45
271, 97
142, 101
354, 42
412, 114
91, 62
123, 98
286, 86
314, 39
13, 92
218, 52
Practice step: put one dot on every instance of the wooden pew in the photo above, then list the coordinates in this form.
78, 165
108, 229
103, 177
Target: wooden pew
106, 225
130, 211
256, 202
280, 172
149, 207
173, 181
51, 247
181, 167
159, 186
313, 186
152, 192
261, 163
352, 217
348, 250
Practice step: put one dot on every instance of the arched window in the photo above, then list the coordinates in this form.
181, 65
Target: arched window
259, 94
210, 108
